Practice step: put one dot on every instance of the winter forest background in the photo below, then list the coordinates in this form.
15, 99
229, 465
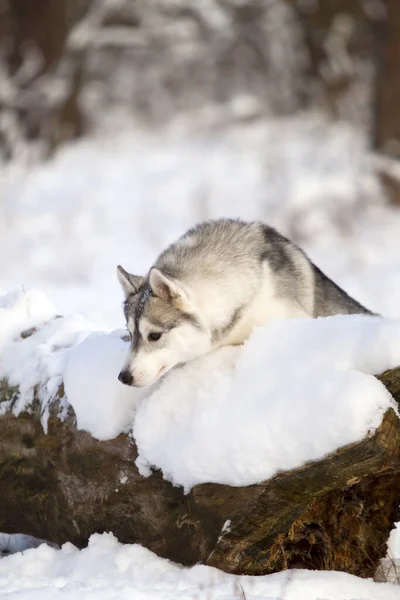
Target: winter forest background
68, 66
123, 123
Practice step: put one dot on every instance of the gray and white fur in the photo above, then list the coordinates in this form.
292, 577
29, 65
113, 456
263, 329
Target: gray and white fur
211, 287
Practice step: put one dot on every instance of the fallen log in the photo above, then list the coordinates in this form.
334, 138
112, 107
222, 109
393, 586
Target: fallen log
335, 513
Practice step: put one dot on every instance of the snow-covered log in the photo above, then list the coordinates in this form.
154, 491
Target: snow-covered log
59, 482
335, 513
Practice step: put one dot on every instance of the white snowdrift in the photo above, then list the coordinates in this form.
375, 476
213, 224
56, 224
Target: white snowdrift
108, 570
295, 392
36, 363
103, 406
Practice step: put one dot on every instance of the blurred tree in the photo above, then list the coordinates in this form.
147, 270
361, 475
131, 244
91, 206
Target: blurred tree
38, 22
344, 41
387, 133
354, 50
67, 66
36, 103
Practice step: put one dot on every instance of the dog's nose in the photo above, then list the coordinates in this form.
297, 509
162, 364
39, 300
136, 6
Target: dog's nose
125, 377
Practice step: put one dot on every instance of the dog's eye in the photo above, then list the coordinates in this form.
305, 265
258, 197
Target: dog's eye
154, 336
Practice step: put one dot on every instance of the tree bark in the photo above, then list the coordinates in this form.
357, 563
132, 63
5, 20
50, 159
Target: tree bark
387, 134
33, 38
346, 43
335, 513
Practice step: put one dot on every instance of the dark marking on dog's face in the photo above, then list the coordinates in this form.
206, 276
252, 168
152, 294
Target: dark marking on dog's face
162, 334
134, 307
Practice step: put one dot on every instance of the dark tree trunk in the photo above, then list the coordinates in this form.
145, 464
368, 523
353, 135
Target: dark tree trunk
388, 87
345, 43
387, 116
38, 28
40, 23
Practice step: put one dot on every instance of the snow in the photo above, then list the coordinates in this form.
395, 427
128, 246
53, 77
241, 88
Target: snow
66, 224
67, 350
102, 405
108, 570
20, 311
240, 415
102, 202
35, 363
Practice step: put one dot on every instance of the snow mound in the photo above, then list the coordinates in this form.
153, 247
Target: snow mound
101, 403
108, 570
40, 351
20, 310
295, 392
34, 345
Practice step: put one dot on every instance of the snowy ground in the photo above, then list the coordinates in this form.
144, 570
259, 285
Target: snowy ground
98, 203
63, 228
107, 570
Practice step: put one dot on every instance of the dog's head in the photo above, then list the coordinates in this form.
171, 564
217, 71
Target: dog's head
163, 324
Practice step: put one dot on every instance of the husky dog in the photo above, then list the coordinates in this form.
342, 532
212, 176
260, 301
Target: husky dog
211, 287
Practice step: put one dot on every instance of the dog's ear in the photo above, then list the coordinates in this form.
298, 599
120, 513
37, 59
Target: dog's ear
130, 283
169, 289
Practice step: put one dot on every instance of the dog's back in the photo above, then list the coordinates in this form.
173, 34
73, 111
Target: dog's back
233, 266
211, 248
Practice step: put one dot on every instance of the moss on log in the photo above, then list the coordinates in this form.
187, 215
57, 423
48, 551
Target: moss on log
335, 513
